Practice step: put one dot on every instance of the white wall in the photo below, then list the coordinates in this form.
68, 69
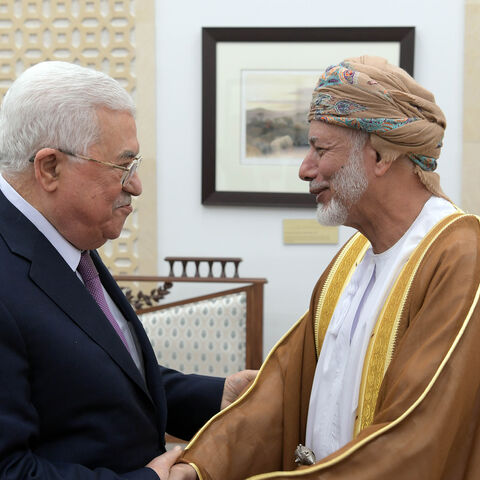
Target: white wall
188, 228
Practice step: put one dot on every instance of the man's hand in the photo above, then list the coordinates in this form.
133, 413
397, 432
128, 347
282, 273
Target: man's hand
182, 471
235, 384
162, 464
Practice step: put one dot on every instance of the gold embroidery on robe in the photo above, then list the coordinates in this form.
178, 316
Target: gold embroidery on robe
382, 342
338, 278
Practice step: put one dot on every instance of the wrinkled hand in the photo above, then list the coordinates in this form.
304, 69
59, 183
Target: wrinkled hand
182, 471
235, 384
162, 464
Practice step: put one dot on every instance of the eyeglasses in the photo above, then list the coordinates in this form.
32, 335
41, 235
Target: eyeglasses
128, 172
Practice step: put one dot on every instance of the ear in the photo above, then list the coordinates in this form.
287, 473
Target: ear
47, 165
381, 165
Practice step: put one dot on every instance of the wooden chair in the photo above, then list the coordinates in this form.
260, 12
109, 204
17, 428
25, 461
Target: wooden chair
216, 333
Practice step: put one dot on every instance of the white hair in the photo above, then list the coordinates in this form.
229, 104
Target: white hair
53, 104
349, 182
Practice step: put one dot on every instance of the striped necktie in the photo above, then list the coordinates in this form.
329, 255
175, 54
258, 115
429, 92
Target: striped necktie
86, 268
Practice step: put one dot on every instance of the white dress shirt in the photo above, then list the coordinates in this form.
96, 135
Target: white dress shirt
70, 254
334, 397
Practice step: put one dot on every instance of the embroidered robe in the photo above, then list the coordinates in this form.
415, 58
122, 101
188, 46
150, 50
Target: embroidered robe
419, 404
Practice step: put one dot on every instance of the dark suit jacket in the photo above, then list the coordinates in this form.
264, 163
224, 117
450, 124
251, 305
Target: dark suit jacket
72, 403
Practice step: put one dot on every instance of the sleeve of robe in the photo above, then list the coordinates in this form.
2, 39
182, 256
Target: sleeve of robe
426, 423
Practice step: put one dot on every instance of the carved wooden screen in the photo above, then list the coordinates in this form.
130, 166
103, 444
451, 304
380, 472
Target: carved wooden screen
471, 107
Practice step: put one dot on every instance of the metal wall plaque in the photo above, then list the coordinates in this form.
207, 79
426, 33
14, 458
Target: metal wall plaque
308, 232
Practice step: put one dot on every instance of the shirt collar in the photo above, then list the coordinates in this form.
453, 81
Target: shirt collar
67, 251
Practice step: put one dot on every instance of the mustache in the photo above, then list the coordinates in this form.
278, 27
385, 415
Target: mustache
123, 200
318, 186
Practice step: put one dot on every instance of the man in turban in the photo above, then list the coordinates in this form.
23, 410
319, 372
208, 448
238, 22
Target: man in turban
380, 378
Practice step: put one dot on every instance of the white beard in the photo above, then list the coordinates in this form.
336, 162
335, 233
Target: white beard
332, 214
349, 183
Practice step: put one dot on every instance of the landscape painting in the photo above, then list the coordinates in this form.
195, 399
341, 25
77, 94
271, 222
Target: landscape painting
274, 123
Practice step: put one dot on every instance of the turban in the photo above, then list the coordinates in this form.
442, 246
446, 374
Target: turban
369, 94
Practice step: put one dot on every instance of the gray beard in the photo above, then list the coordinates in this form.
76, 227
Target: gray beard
349, 183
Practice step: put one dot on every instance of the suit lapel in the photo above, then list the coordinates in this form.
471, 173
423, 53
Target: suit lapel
56, 279
149, 359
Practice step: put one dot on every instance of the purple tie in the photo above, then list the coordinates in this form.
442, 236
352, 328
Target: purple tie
89, 273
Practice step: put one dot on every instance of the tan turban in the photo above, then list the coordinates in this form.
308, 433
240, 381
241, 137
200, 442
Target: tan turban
369, 94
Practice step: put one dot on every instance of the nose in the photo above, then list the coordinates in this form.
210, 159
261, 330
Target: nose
308, 168
134, 185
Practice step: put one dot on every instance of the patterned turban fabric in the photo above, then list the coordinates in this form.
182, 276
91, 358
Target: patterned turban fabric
369, 94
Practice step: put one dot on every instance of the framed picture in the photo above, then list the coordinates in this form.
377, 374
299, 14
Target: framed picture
257, 86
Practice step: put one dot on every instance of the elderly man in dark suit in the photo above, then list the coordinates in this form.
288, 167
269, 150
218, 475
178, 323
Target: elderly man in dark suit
82, 396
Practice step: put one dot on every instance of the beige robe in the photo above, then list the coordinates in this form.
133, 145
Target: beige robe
421, 374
